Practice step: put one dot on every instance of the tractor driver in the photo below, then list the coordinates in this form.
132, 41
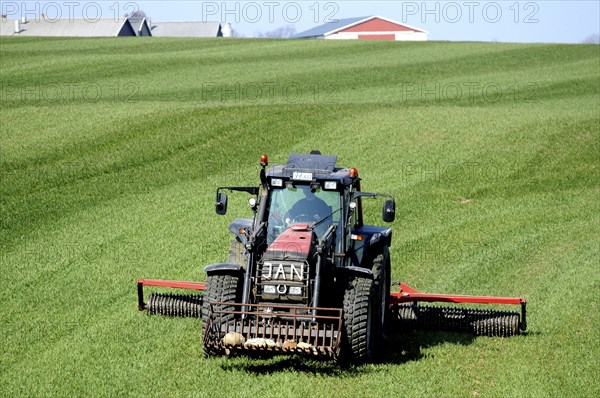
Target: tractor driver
310, 209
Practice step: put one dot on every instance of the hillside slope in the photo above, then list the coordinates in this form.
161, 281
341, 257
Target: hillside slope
111, 150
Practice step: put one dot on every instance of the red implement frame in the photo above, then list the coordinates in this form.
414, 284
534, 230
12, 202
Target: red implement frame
406, 295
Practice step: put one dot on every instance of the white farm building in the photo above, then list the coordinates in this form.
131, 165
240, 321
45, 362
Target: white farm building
365, 28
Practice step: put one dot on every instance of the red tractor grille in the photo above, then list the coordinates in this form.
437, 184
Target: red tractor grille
282, 280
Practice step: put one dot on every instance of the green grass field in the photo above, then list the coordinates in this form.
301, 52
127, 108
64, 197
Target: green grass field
111, 150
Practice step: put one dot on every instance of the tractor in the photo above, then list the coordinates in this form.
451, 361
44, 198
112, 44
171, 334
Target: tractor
306, 275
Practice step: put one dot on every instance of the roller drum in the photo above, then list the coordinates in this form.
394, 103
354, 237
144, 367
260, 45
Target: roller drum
175, 305
476, 321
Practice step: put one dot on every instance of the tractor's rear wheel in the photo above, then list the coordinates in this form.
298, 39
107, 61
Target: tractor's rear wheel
223, 288
360, 321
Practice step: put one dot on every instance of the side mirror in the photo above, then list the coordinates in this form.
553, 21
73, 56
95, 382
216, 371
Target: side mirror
221, 206
389, 210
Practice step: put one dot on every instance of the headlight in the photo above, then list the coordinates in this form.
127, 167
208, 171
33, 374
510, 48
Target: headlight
296, 290
269, 289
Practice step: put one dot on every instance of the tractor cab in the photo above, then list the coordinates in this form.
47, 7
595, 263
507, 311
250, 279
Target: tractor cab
310, 190
302, 204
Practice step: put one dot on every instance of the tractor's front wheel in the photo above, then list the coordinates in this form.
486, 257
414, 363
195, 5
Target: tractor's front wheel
360, 321
222, 288
382, 285
237, 253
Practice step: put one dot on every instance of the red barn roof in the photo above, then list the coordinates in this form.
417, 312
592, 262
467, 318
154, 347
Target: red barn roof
378, 24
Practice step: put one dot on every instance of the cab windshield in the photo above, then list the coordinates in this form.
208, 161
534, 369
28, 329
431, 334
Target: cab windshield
300, 205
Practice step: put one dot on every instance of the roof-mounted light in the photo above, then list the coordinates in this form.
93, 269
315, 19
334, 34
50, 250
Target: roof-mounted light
264, 160
276, 182
330, 185
353, 172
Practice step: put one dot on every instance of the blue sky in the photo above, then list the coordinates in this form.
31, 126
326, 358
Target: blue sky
558, 21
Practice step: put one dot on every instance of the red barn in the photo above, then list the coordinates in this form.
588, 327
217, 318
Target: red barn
365, 28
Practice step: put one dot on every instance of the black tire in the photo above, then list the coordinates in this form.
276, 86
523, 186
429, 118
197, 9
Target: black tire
360, 326
225, 288
382, 285
237, 253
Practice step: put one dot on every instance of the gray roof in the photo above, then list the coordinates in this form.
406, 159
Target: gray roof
136, 22
187, 29
321, 30
66, 27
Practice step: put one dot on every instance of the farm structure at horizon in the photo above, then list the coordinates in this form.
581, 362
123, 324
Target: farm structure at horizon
365, 28
105, 27
108, 27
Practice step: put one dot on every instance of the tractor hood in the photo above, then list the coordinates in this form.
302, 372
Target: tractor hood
297, 243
